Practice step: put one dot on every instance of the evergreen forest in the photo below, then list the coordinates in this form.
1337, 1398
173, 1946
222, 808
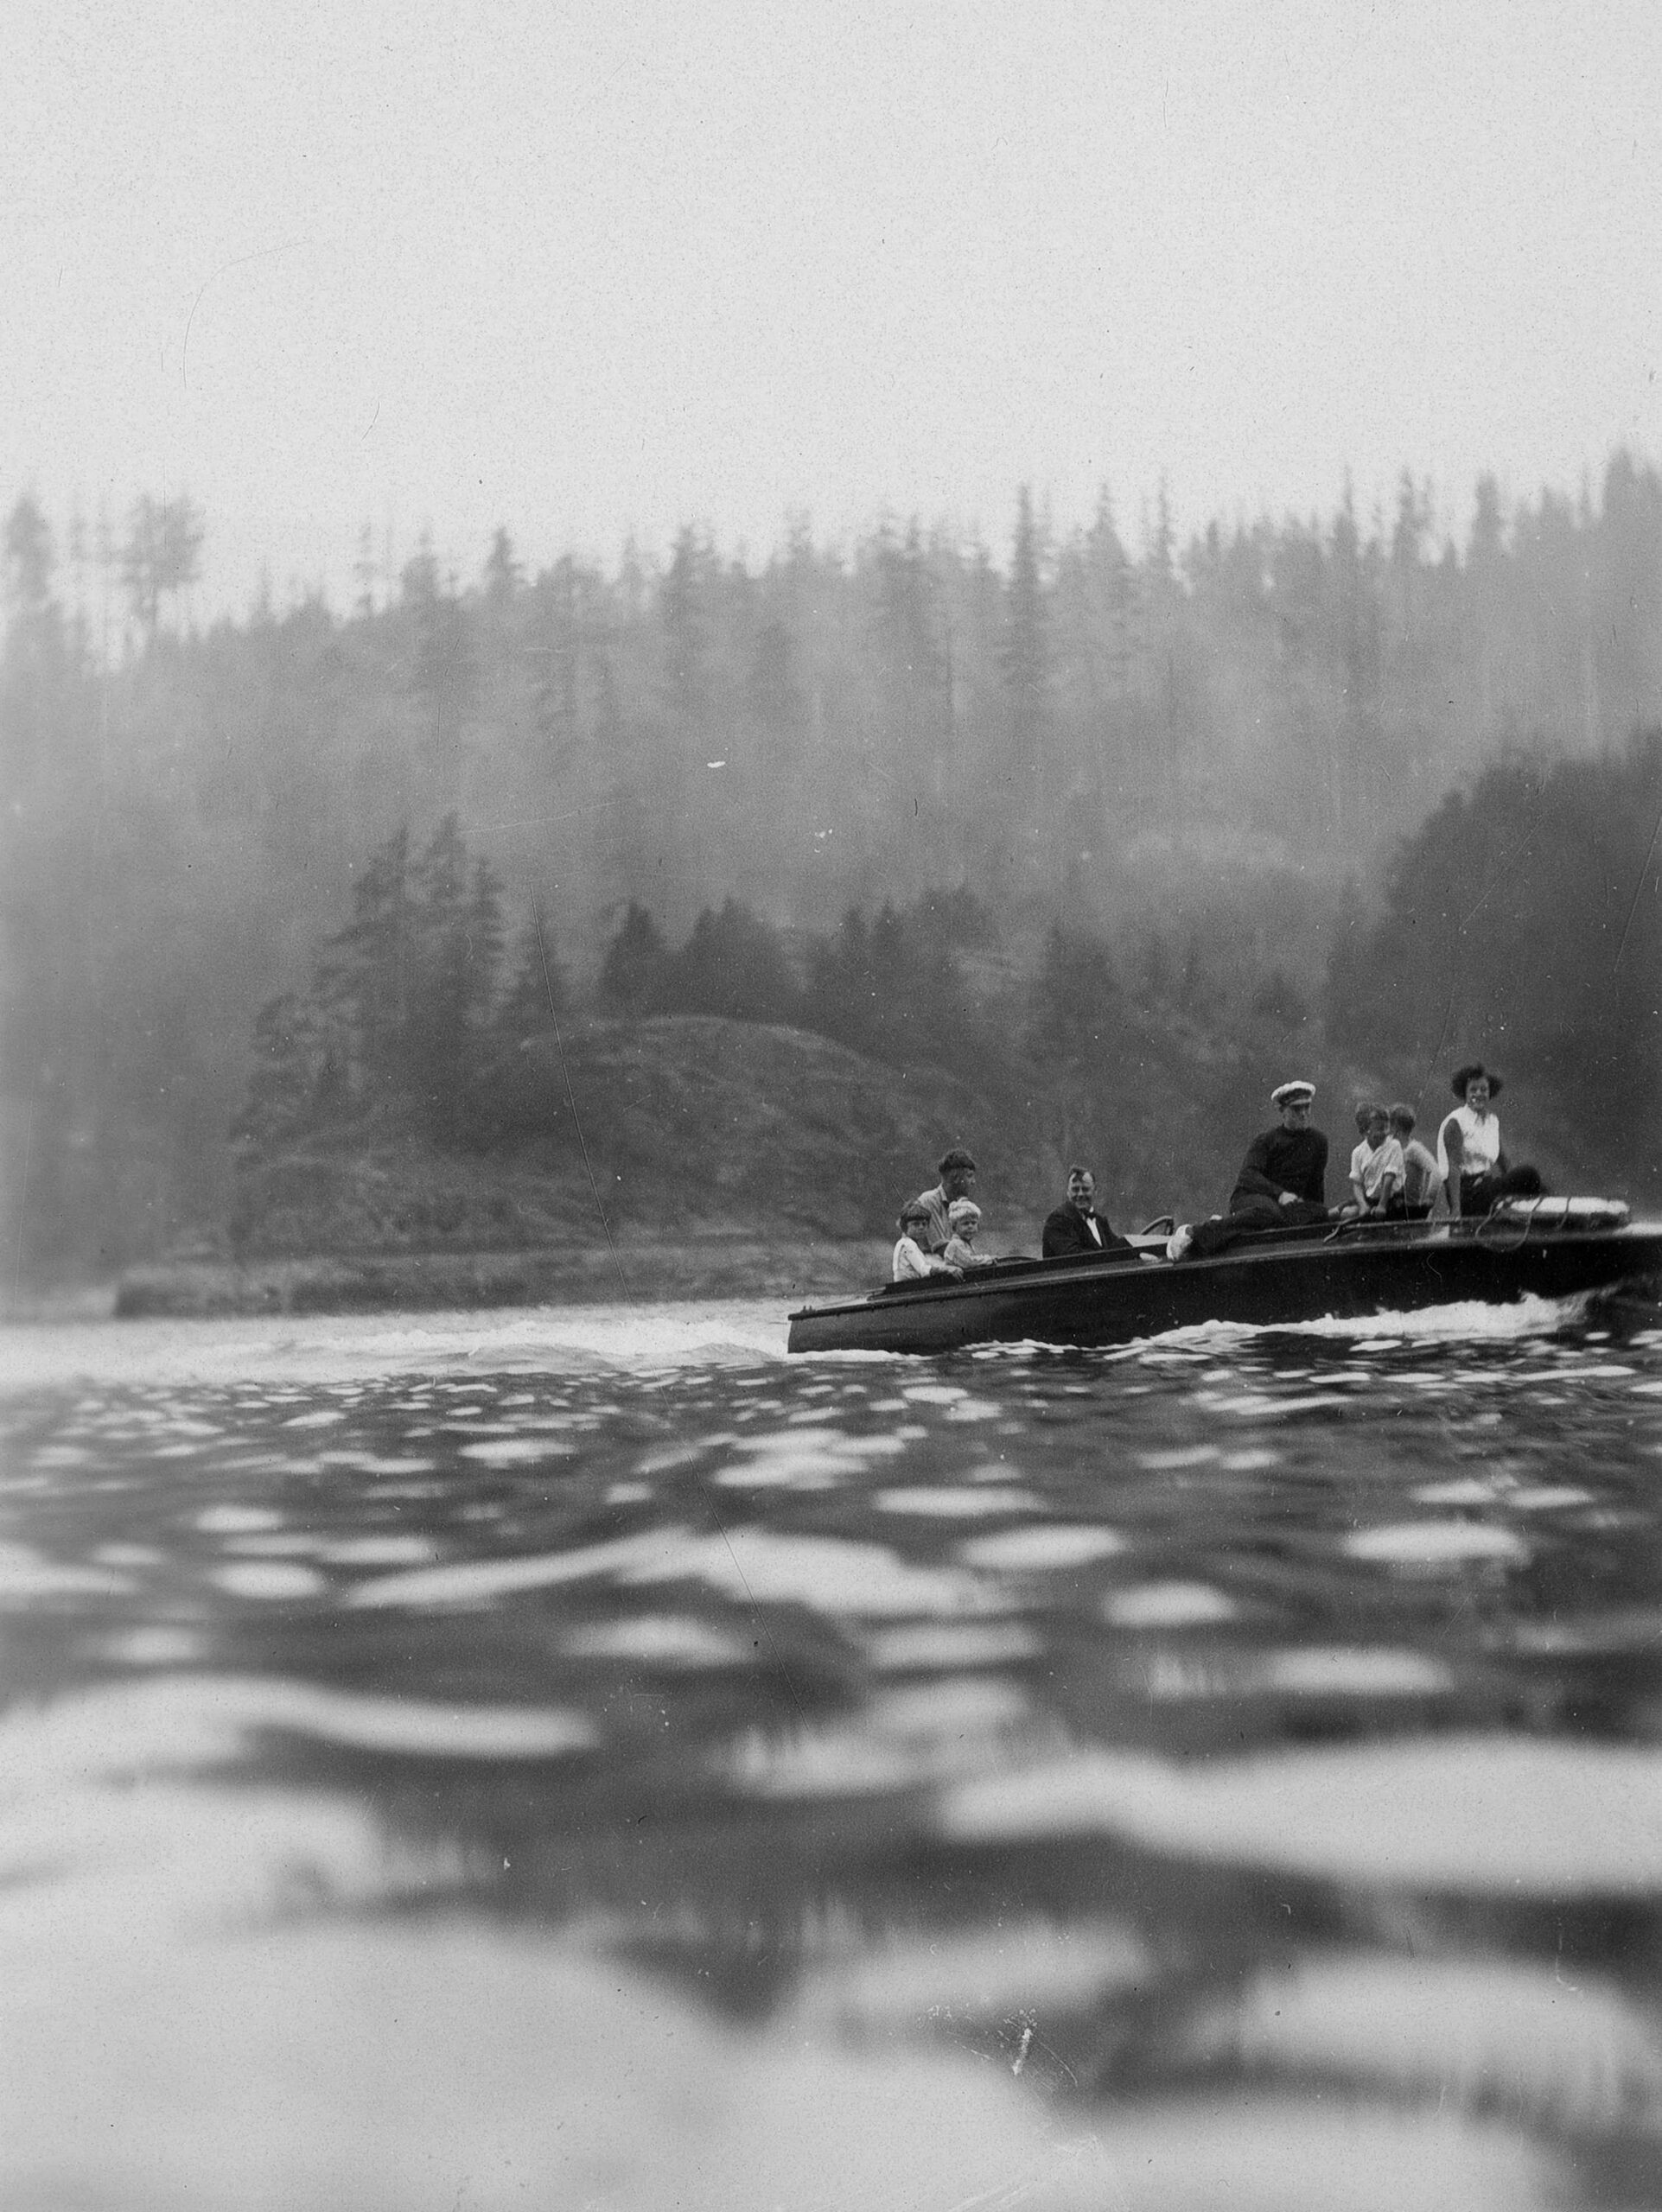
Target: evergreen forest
1047, 816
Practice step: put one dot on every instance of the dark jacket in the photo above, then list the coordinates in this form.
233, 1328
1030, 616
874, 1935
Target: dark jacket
1283, 1160
1066, 1231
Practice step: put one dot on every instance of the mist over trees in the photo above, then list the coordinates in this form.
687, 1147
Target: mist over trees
1525, 921
412, 1027
754, 785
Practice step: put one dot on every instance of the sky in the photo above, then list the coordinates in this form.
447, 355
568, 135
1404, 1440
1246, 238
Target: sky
591, 272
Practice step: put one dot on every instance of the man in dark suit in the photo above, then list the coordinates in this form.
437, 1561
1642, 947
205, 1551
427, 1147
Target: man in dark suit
1076, 1226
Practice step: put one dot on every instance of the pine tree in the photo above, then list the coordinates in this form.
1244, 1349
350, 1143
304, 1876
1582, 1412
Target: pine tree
437, 1031
732, 964
363, 575
366, 974
538, 993
633, 973
1024, 659
487, 941
682, 612
30, 558
1113, 590
283, 1084
556, 653
163, 555
32, 677
1162, 648
501, 569
444, 675
906, 629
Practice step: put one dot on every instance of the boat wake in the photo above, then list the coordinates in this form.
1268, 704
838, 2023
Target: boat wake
338, 1349
641, 1340
1460, 1322
1467, 1321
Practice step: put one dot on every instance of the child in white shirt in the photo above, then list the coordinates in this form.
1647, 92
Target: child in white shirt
1375, 1166
964, 1216
913, 1258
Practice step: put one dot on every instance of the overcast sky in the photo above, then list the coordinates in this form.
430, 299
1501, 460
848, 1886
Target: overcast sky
594, 270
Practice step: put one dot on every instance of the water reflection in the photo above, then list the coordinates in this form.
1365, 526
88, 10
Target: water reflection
1081, 1777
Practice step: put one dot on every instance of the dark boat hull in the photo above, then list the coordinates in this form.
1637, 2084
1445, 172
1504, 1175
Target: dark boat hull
1265, 1280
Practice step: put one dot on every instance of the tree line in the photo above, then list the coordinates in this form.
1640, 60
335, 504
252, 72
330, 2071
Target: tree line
419, 1007
1524, 920
823, 731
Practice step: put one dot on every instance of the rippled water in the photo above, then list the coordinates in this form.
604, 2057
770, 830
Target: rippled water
591, 1759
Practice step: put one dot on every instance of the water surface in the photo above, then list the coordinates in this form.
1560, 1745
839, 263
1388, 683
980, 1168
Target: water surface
589, 1758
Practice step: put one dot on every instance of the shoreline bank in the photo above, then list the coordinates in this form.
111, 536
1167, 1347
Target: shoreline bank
429, 1281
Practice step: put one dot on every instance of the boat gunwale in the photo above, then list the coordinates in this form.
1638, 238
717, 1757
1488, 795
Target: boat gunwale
1257, 1248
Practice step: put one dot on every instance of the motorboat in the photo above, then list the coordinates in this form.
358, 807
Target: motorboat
1532, 1248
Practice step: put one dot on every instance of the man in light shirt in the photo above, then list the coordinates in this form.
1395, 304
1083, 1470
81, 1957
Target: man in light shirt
957, 1173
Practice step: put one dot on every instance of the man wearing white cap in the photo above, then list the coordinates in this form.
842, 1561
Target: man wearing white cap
1283, 1181
1284, 1178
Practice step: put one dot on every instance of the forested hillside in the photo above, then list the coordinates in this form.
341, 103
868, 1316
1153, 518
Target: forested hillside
1525, 922
807, 1083
1092, 784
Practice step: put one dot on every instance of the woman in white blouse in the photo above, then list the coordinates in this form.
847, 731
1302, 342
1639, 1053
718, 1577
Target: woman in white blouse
1474, 1169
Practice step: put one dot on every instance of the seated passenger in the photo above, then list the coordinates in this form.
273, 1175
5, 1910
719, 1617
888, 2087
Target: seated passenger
1376, 1171
1475, 1171
1353, 1205
1422, 1183
1284, 1178
964, 1216
957, 1171
1282, 1182
1076, 1226
913, 1258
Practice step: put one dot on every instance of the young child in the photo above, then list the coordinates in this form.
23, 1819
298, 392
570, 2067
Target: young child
1422, 1183
964, 1216
1375, 1166
912, 1254
1354, 1205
